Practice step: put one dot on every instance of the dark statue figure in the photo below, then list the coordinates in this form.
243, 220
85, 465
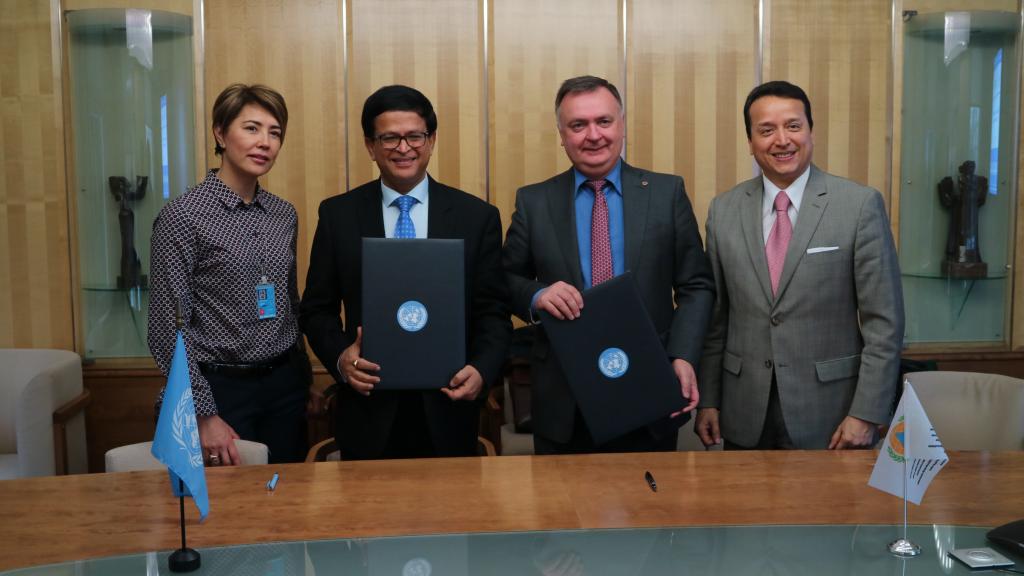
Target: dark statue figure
963, 256
131, 268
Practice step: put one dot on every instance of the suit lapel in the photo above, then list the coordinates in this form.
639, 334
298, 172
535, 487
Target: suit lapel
440, 221
371, 220
635, 203
753, 234
811, 208
562, 209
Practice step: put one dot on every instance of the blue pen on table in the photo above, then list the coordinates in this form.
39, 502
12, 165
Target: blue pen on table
272, 484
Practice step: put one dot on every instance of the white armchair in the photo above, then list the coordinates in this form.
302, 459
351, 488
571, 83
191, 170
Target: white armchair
139, 456
972, 411
42, 420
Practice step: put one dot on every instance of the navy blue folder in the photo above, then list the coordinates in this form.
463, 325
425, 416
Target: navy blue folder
614, 361
414, 311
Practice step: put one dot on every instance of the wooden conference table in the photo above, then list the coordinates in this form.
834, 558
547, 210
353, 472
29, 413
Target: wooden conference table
57, 519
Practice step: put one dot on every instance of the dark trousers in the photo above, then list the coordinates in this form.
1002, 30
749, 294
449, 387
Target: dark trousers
774, 435
409, 436
639, 440
270, 408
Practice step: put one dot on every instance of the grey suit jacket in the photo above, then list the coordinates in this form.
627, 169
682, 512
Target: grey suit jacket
663, 250
834, 332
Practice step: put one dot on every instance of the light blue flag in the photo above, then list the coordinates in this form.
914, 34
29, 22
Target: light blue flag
176, 442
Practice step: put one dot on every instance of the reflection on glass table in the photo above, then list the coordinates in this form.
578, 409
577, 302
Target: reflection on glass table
788, 550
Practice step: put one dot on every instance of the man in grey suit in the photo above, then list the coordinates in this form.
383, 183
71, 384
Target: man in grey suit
597, 220
804, 346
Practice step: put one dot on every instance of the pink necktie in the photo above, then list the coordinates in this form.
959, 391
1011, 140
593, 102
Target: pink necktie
601, 268
778, 240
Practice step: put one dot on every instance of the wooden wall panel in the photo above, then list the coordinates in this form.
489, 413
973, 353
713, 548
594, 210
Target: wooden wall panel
437, 50
296, 48
535, 46
839, 52
35, 276
690, 67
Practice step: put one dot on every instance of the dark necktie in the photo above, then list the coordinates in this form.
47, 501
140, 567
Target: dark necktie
601, 268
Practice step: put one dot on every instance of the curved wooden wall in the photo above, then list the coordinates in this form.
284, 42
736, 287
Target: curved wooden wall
491, 67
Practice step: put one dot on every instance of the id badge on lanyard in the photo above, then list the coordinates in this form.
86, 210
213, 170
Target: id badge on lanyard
266, 306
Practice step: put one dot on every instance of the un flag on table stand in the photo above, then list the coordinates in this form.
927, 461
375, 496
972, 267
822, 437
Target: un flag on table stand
176, 443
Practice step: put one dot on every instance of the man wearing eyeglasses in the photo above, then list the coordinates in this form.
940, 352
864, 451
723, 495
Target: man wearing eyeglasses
400, 131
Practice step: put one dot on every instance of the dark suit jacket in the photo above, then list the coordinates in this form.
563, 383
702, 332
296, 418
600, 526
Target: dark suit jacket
335, 279
663, 250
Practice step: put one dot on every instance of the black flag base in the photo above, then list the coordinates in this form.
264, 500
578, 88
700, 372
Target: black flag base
183, 560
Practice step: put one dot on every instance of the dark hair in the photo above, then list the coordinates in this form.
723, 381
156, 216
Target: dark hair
232, 99
779, 89
397, 97
584, 84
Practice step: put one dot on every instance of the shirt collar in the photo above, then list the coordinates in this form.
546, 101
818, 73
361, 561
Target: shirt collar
227, 196
795, 192
614, 178
419, 192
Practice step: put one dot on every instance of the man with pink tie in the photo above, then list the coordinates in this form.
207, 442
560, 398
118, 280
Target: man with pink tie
804, 345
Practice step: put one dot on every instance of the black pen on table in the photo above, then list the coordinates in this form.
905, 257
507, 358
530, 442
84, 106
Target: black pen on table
650, 481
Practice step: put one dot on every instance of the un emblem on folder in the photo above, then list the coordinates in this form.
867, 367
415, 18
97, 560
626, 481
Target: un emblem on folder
613, 363
412, 316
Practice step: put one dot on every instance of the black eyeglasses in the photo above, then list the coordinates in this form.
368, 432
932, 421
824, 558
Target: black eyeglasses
413, 139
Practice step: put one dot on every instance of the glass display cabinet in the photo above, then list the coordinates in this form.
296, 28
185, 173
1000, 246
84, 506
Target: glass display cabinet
958, 172
132, 113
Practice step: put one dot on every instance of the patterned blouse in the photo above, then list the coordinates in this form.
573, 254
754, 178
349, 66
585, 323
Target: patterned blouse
209, 252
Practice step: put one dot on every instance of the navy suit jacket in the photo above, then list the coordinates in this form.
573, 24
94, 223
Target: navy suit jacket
335, 281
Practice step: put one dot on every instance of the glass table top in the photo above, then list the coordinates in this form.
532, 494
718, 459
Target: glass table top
761, 550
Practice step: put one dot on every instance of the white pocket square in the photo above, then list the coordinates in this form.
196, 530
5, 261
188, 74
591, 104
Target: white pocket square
822, 249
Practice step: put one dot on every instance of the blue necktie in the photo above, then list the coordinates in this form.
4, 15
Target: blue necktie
404, 227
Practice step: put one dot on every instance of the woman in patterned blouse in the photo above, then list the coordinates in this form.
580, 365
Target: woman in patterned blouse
224, 252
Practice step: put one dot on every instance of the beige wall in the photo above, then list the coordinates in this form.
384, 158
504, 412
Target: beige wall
691, 65
491, 67
35, 269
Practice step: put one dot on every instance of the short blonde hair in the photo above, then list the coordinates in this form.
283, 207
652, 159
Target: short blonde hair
232, 99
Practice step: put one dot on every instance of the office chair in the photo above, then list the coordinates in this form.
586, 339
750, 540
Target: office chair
972, 411
42, 413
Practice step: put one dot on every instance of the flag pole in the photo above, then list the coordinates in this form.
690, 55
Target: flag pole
903, 547
183, 559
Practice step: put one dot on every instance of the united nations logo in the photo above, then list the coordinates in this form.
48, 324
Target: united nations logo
897, 441
412, 316
416, 567
185, 430
613, 363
